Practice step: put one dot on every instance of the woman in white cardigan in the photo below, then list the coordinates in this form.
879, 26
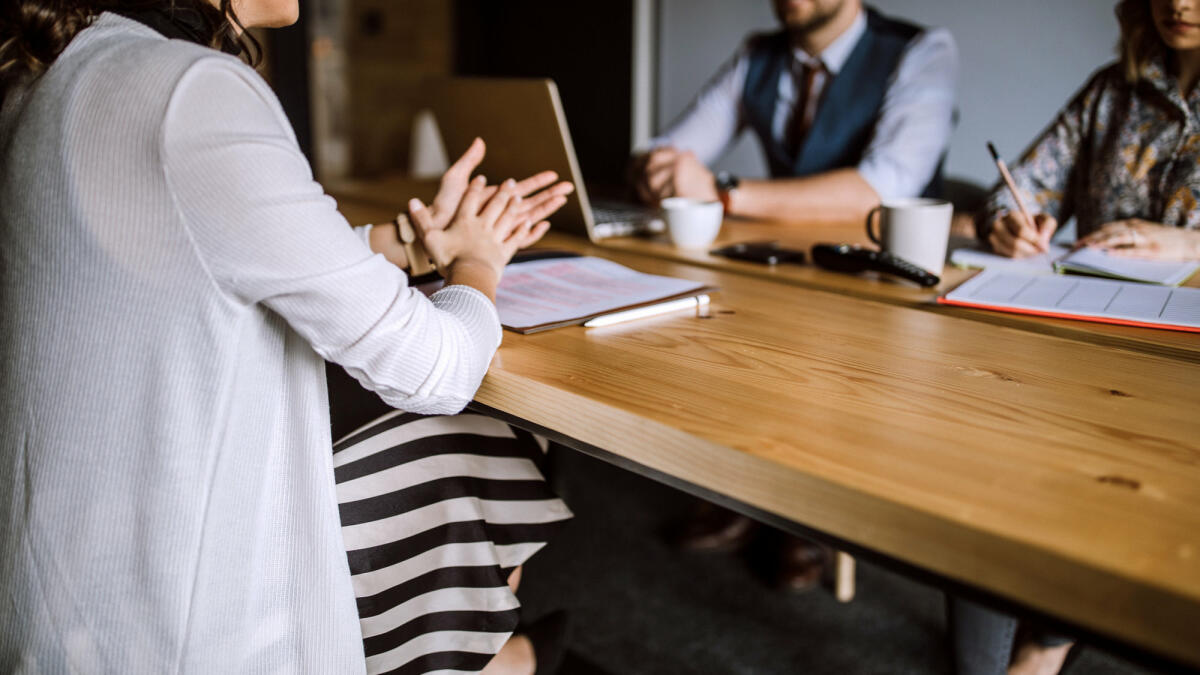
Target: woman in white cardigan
171, 279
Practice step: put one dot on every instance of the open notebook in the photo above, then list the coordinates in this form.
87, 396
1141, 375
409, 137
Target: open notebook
1084, 261
1073, 297
566, 289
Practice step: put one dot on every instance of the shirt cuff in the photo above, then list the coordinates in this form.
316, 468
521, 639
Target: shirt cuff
886, 184
476, 312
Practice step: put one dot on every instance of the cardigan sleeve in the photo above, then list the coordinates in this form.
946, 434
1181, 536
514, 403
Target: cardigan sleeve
268, 235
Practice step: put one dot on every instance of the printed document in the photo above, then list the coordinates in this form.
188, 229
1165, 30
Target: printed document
553, 292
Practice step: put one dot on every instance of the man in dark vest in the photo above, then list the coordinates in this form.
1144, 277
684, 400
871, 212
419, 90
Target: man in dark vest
851, 108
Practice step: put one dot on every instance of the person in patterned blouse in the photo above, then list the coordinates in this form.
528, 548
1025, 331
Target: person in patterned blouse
1123, 158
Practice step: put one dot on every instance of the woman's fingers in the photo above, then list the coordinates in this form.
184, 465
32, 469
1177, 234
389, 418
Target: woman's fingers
561, 189
536, 233
543, 209
500, 203
1000, 239
1023, 249
522, 190
541, 201
509, 227
536, 182
437, 242
1119, 234
530, 203
1138, 238
464, 166
1114, 240
1005, 242
511, 219
1023, 230
473, 199
1047, 225
454, 184
508, 220
420, 217
527, 234
533, 234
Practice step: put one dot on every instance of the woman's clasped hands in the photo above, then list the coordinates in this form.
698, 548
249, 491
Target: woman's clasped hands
470, 223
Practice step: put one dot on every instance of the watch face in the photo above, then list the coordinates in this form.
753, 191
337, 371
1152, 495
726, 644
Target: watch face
726, 181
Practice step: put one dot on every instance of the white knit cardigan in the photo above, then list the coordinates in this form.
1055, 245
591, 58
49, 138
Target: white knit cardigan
171, 277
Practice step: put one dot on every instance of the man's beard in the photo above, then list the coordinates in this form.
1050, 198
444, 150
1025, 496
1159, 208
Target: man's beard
814, 22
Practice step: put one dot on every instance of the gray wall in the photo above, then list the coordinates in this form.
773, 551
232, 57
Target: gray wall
1020, 61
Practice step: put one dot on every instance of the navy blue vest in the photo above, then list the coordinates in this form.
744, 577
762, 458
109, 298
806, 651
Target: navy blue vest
850, 101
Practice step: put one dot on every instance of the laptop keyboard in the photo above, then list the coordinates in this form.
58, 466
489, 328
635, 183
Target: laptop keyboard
614, 219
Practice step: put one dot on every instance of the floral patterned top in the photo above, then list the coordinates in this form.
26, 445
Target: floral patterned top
1116, 151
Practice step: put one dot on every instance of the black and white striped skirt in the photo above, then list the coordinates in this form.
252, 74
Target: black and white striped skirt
436, 513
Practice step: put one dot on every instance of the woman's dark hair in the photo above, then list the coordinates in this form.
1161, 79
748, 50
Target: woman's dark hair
34, 32
1140, 40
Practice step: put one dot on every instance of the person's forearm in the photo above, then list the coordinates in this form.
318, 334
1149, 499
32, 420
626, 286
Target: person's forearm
384, 239
840, 195
477, 275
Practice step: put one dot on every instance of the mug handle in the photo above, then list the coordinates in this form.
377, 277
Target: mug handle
870, 230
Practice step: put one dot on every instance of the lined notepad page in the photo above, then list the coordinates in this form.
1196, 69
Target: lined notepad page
1081, 297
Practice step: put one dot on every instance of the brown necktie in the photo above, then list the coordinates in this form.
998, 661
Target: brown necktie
806, 110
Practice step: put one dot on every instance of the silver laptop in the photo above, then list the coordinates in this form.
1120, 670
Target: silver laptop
522, 122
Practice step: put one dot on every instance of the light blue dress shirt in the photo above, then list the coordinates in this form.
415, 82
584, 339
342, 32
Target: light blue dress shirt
915, 121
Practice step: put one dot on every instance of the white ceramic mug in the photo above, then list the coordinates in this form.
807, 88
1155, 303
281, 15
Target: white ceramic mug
692, 223
916, 230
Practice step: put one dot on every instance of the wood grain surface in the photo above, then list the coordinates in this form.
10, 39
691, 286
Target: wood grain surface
1057, 472
1060, 474
889, 289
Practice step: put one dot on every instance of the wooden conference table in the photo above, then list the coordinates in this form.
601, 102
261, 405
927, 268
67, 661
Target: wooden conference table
1051, 465
887, 289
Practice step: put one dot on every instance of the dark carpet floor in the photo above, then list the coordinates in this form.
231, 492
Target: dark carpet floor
639, 607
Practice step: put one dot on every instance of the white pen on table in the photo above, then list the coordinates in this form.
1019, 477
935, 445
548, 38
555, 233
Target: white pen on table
649, 310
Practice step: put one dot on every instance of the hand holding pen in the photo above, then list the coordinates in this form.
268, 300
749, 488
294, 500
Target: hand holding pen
1021, 234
